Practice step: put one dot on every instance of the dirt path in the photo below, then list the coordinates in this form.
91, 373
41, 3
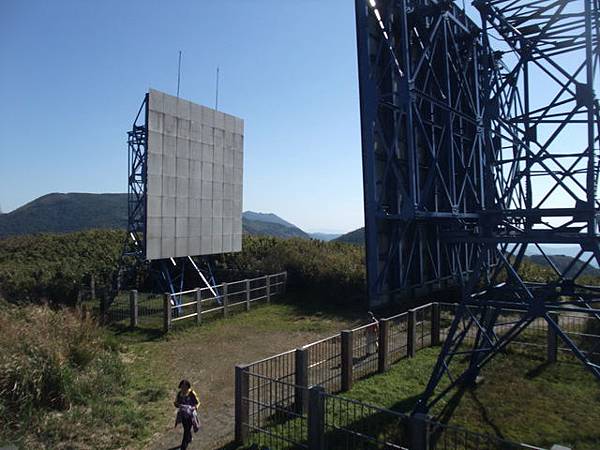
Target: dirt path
207, 359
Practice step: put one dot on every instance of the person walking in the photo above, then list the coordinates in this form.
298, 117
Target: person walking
187, 403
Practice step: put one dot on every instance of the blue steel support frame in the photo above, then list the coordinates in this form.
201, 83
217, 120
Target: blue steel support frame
477, 166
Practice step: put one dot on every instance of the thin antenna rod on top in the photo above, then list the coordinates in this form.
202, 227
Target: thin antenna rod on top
179, 74
217, 93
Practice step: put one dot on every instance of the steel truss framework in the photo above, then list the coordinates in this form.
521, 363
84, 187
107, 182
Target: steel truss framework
472, 155
169, 274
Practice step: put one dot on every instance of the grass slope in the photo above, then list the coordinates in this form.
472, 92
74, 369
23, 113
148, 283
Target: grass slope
521, 399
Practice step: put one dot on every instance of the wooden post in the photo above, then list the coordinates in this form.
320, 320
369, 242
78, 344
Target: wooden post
225, 300
384, 345
166, 312
133, 308
285, 281
347, 360
301, 380
242, 416
552, 341
316, 418
411, 334
435, 324
268, 283
198, 306
103, 307
93, 286
247, 295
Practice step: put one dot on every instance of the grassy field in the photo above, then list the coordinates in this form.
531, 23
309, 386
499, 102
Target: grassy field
206, 355
521, 399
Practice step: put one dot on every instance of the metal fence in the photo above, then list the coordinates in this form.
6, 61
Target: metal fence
195, 304
285, 403
276, 415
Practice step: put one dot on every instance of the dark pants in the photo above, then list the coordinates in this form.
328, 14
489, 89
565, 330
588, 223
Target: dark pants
187, 432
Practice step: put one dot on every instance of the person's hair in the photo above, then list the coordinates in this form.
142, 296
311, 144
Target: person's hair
185, 383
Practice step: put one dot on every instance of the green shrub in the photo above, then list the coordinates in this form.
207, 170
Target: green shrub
58, 371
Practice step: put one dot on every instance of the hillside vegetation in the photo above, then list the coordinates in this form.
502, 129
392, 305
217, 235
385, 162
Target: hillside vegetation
55, 268
63, 383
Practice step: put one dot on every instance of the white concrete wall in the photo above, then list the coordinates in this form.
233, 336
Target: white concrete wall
195, 170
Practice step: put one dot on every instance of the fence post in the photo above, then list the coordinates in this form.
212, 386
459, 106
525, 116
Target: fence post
285, 282
552, 341
242, 393
435, 324
198, 306
411, 335
133, 308
166, 312
225, 300
384, 345
268, 284
347, 360
301, 380
316, 418
418, 433
93, 285
247, 295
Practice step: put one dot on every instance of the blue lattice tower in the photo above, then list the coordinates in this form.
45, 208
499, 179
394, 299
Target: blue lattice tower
482, 152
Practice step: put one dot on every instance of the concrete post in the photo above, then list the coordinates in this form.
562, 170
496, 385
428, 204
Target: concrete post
316, 418
242, 416
384, 345
166, 312
247, 295
268, 284
435, 324
133, 308
301, 380
198, 306
419, 432
552, 341
411, 334
347, 360
225, 300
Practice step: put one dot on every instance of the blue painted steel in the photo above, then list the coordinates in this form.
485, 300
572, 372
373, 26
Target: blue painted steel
464, 169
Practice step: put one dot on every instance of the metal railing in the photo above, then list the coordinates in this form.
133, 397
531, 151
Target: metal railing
197, 304
332, 364
222, 299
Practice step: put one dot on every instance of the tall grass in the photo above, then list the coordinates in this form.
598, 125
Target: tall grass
61, 380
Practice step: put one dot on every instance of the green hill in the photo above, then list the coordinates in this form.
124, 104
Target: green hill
66, 213
354, 237
259, 228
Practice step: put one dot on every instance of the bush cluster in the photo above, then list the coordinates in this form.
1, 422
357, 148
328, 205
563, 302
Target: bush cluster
53, 363
55, 267
335, 270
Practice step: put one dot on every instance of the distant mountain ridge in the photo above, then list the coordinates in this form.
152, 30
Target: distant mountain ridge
69, 212
353, 237
64, 213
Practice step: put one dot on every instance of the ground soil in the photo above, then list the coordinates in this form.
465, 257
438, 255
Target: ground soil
208, 360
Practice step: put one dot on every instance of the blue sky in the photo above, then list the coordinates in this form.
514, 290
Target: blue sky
74, 73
